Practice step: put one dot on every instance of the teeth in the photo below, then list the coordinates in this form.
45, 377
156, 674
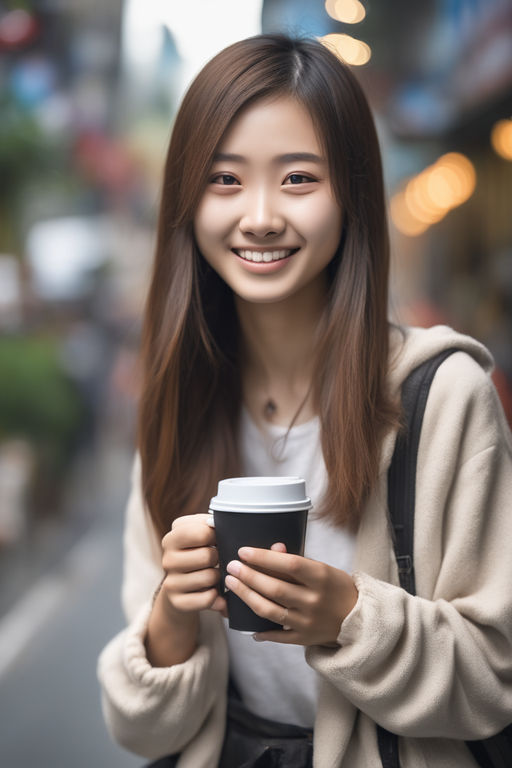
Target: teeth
265, 256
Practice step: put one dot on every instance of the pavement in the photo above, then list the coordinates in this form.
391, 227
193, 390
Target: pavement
51, 636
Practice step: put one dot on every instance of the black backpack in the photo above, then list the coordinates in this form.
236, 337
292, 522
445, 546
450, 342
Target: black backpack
496, 751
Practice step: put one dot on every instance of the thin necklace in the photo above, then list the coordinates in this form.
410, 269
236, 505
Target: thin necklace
269, 409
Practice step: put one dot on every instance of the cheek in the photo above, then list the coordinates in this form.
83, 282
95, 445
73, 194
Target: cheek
204, 223
322, 222
213, 223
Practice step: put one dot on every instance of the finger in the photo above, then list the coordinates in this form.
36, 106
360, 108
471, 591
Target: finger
286, 637
293, 568
186, 519
275, 589
194, 601
194, 534
187, 539
260, 604
192, 582
187, 560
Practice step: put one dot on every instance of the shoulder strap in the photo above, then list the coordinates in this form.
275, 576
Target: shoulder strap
402, 470
402, 497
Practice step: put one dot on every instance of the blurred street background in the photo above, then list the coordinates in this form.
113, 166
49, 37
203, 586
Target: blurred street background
88, 91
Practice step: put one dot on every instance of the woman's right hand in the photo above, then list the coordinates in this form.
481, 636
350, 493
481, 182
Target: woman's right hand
189, 559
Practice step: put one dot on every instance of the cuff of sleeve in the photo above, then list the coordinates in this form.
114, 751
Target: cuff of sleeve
352, 625
366, 624
136, 662
366, 633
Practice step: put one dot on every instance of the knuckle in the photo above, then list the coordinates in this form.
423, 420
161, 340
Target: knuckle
259, 606
312, 600
212, 595
278, 593
209, 577
308, 626
176, 602
168, 585
213, 556
205, 599
167, 562
204, 558
178, 521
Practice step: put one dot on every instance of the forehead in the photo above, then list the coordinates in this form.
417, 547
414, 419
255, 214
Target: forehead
272, 126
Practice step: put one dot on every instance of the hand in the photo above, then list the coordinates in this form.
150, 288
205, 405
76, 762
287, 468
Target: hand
310, 598
190, 561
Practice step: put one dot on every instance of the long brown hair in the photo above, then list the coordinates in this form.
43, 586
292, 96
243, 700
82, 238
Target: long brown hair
191, 396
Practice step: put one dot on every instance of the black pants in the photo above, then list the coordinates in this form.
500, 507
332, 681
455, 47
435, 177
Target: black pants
254, 742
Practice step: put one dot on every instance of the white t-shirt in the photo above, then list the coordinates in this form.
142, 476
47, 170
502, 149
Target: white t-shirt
273, 678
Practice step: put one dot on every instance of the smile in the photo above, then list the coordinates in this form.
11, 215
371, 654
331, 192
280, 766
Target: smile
266, 256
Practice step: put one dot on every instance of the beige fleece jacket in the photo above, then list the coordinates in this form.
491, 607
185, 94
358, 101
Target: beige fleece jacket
436, 668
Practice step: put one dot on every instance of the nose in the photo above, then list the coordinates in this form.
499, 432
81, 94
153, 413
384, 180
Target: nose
261, 216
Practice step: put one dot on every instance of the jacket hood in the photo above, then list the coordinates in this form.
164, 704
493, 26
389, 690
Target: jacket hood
409, 347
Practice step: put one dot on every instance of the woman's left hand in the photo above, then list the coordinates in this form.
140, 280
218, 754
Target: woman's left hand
309, 598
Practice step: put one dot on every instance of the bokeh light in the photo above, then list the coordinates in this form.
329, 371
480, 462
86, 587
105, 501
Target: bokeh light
501, 139
347, 11
349, 49
429, 196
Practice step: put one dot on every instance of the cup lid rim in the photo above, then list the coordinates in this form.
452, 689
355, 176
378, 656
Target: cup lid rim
274, 493
258, 506
258, 480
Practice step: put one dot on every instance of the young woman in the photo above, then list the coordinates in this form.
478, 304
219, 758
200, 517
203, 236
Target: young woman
267, 351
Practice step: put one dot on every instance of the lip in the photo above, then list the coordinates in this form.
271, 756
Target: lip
264, 267
263, 248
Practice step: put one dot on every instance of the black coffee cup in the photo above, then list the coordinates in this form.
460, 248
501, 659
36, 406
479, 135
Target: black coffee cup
257, 512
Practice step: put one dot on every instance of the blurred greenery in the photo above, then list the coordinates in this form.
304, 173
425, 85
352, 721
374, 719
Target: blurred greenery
38, 402
21, 143
27, 154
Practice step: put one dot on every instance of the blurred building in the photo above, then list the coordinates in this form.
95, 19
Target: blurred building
62, 174
439, 77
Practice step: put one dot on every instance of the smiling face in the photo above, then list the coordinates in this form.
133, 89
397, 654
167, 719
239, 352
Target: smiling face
268, 222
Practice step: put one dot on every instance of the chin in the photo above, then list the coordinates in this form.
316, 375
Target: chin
266, 297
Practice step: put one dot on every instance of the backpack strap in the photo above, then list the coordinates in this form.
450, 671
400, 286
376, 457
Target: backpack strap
402, 497
402, 470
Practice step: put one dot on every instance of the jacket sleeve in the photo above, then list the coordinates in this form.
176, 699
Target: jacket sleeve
440, 664
155, 711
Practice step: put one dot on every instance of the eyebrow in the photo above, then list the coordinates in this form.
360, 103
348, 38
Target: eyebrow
289, 157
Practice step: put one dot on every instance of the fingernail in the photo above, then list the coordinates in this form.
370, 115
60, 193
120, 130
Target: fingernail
257, 638
230, 582
234, 567
245, 552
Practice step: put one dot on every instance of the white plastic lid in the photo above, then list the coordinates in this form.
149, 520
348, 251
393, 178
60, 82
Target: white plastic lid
261, 494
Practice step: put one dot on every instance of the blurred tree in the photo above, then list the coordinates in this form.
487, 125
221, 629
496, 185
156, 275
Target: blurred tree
38, 402
25, 152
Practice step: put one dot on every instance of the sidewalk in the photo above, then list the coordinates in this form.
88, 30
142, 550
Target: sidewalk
51, 637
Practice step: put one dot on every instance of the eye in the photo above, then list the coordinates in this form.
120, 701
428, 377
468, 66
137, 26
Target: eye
224, 179
298, 178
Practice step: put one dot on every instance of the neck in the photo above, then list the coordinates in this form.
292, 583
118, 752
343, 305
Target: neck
279, 342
